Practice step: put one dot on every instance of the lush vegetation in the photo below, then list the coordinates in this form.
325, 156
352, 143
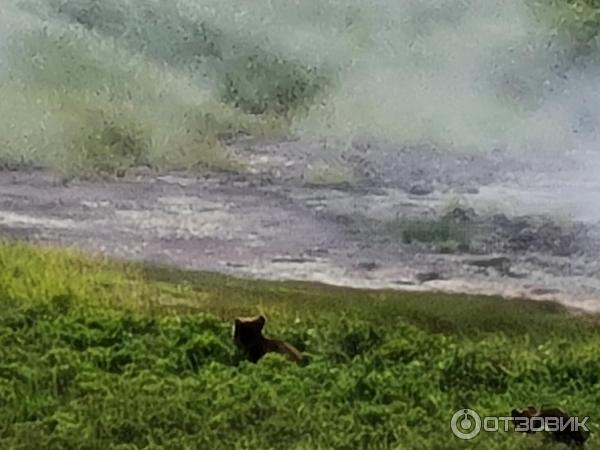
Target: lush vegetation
100, 86
92, 86
445, 235
576, 24
103, 355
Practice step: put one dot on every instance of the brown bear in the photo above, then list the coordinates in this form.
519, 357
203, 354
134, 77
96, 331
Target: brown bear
247, 336
568, 435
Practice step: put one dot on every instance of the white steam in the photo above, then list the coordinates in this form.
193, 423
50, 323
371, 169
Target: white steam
474, 74
457, 73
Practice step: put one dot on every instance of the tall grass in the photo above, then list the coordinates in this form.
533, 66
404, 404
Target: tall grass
96, 354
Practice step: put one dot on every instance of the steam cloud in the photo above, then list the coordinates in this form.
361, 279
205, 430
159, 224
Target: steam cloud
469, 74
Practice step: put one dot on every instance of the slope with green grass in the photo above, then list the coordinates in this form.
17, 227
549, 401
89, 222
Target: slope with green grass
98, 355
98, 86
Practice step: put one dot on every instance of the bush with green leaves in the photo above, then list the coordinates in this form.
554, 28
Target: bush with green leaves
263, 83
576, 28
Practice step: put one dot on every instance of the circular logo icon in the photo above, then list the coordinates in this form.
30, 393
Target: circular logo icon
465, 424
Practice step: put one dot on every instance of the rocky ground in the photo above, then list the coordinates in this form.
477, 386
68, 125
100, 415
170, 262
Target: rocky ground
360, 214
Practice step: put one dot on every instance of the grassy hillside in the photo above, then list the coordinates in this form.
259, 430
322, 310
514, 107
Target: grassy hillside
100, 355
94, 87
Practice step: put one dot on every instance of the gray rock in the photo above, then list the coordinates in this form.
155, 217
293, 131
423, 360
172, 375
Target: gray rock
368, 265
420, 189
499, 263
424, 277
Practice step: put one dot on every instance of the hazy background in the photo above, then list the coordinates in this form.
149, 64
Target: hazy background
90, 85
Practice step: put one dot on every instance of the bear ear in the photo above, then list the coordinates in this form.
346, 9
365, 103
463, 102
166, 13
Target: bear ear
262, 320
515, 413
532, 410
238, 322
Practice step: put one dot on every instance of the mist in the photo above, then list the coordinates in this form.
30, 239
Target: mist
452, 73
455, 74
462, 74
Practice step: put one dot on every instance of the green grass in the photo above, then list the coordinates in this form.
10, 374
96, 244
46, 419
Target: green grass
439, 231
97, 354
248, 77
444, 234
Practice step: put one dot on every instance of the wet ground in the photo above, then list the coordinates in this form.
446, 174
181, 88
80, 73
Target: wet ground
358, 214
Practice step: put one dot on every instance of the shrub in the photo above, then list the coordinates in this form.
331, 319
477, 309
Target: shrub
108, 144
263, 83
